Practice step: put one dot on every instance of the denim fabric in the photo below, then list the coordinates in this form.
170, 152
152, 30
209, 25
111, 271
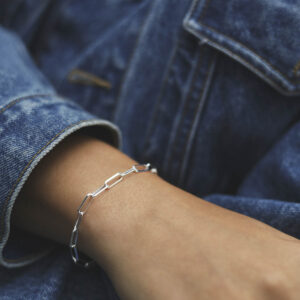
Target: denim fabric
33, 120
206, 90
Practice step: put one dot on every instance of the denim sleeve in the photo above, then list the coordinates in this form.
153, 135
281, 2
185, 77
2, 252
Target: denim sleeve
271, 190
33, 119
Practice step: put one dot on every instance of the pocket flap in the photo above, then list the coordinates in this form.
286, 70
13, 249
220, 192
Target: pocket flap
263, 35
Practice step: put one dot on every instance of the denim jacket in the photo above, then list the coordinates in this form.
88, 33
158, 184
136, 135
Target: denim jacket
206, 90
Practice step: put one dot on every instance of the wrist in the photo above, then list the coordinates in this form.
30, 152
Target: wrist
114, 221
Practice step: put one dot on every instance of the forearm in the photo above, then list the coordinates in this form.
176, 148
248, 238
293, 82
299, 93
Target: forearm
155, 240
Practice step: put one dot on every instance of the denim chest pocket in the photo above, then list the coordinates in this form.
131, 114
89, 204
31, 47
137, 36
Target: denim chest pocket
262, 35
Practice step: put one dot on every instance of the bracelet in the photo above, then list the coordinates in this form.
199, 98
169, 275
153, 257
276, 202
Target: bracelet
87, 200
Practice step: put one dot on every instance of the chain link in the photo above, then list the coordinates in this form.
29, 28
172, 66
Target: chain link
87, 200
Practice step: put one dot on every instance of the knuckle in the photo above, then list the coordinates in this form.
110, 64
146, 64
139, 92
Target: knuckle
276, 285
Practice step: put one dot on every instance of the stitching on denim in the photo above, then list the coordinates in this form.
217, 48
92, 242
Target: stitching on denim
151, 126
194, 6
30, 256
185, 108
117, 102
15, 101
201, 103
200, 96
275, 84
186, 105
23, 171
204, 9
297, 68
175, 127
294, 81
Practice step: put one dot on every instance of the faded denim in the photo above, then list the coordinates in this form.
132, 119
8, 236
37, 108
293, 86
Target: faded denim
206, 90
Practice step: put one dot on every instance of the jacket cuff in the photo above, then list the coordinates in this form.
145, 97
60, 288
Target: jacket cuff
30, 127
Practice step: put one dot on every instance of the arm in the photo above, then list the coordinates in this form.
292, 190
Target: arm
34, 119
154, 240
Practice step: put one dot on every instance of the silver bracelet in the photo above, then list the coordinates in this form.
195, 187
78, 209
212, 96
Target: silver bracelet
86, 202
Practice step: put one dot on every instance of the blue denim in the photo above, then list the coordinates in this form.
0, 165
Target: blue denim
206, 90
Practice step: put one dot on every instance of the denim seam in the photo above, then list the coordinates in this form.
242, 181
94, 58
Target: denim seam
291, 91
132, 55
199, 20
22, 261
288, 87
196, 120
151, 127
186, 104
194, 116
264, 61
204, 9
195, 5
17, 100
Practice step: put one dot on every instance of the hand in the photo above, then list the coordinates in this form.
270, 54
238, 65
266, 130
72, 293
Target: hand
159, 242
154, 240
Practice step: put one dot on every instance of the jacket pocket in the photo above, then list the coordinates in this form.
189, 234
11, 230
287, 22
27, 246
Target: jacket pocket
262, 35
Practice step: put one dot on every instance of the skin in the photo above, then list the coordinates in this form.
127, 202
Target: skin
155, 240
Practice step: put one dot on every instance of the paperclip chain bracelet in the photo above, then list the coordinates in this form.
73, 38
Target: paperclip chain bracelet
86, 202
